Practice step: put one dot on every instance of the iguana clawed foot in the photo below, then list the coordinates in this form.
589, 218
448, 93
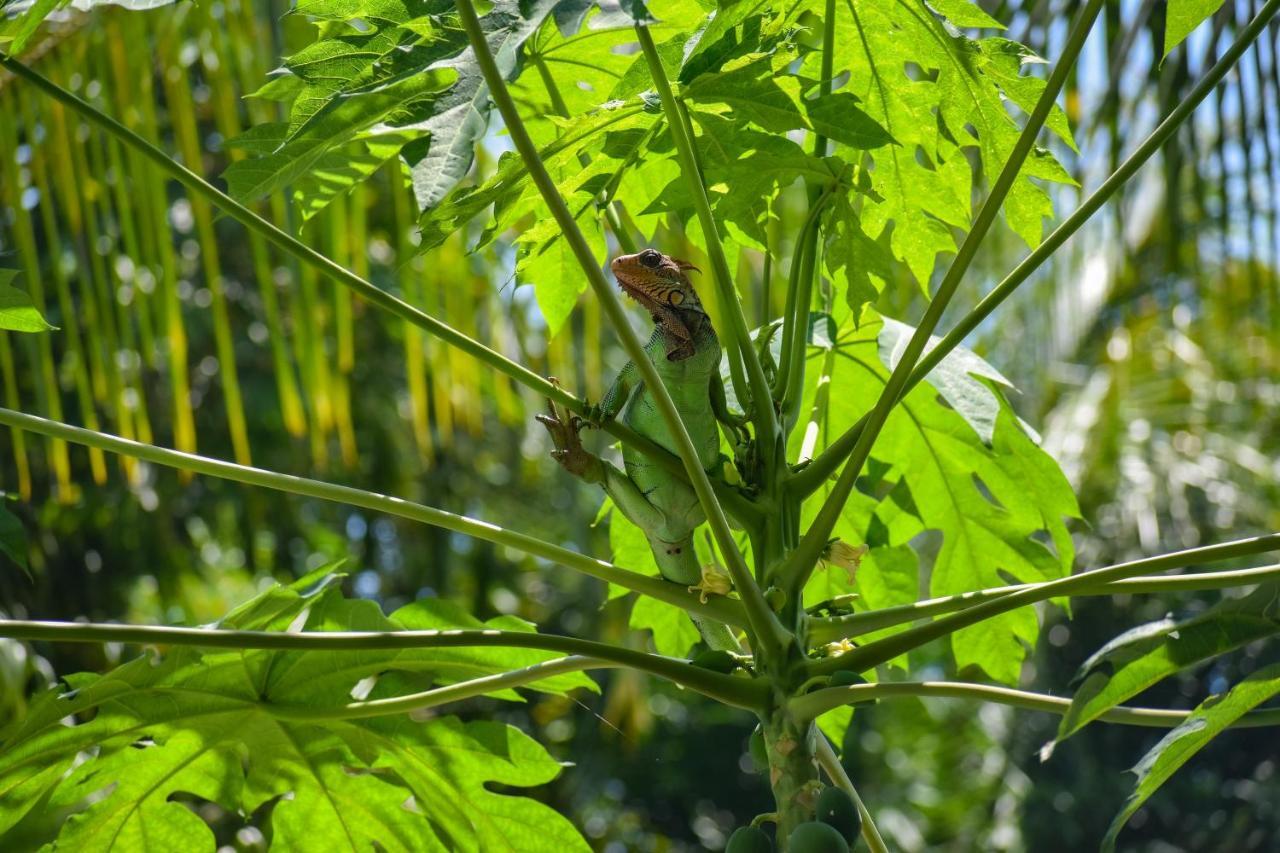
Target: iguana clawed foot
564, 427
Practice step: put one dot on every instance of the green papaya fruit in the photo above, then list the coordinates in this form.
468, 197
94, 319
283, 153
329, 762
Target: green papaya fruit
716, 660
816, 837
749, 839
846, 678
836, 808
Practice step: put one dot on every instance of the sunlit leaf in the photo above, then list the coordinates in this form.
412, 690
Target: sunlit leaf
1182, 17
19, 29
978, 495
243, 728
1180, 745
1148, 654
17, 312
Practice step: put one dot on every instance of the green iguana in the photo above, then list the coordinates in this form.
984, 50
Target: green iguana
686, 352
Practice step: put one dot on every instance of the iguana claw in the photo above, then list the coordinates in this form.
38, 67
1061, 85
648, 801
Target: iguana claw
569, 452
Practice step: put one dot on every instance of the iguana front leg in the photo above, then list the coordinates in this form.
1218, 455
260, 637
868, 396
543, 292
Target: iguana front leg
564, 429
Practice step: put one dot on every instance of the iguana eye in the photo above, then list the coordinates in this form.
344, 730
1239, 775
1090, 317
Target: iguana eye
650, 259
675, 297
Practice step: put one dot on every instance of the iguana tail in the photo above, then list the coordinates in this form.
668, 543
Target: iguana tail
678, 562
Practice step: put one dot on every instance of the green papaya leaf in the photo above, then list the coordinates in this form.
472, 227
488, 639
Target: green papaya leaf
509, 191
921, 177
964, 13
1180, 745
17, 312
247, 727
837, 116
993, 501
959, 378
333, 173
1182, 17
19, 29
1145, 655
387, 69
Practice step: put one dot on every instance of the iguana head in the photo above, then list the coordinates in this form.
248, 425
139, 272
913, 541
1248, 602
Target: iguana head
656, 280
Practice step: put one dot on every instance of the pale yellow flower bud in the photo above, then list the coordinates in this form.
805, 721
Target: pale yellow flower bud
715, 581
839, 647
846, 556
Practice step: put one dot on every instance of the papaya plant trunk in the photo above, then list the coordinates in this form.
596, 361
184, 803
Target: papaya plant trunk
791, 745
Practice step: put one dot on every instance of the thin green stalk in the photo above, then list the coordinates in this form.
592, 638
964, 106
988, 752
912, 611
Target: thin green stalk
763, 623
789, 309
739, 692
740, 341
818, 413
820, 701
835, 772
791, 374
800, 291
873, 654
826, 630
721, 609
801, 563
438, 696
807, 481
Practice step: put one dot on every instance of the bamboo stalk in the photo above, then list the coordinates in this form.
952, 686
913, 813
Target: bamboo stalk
69, 319
121, 74
176, 79
42, 344
415, 356
129, 357
76, 189
169, 305
346, 229
227, 119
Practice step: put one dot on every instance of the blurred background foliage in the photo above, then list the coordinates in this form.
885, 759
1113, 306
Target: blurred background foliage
1147, 353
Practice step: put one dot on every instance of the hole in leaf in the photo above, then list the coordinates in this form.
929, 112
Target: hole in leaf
915, 71
985, 491
922, 158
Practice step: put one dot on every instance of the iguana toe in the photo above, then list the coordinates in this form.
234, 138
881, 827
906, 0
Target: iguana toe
569, 452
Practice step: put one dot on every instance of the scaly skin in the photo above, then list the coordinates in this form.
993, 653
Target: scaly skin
685, 352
